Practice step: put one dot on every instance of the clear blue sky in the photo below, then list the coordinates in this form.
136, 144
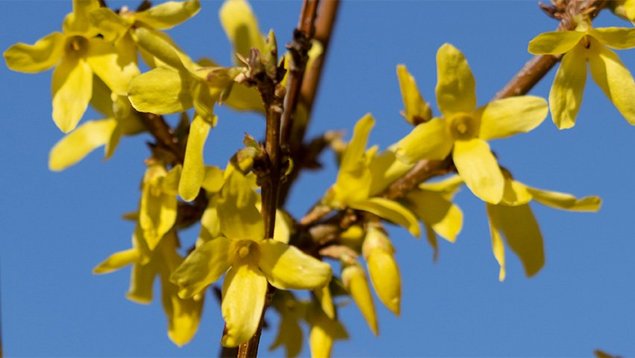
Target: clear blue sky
57, 226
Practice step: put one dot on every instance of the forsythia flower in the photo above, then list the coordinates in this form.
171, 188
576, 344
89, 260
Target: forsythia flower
249, 260
382, 268
623, 8
514, 220
592, 46
463, 129
76, 54
183, 314
356, 182
355, 282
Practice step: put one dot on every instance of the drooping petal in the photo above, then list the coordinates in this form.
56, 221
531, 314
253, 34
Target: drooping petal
78, 21
79, 143
456, 89
194, 164
289, 331
565, 201
355, 282
157, 210
390, 210
184, 315
214, 180
478, 167
202, 267
324, 331
71, 87
241, 26
445, 218
158, 45
506, 117
42, 55
430, 140
615, 37
416, 109
244, 293
516, 193
237, 212
498, 248
615, 80
141, 282
324, 297
117, 261
286, 267
566, 92
522, 233
114, 68
167, 15
555, 42
162, 90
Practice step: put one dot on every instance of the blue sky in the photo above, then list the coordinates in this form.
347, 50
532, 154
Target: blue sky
57, 226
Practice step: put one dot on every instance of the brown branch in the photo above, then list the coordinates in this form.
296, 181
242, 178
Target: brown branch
163, 135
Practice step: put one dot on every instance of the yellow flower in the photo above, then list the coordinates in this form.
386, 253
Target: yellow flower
324, 331
623, 8
360, 178
249, 261
183, 314
382, 268
514, 220
158, 206
463, 129
76, 54
592, 46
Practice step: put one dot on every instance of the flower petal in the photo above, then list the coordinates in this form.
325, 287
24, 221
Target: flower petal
167, 15
184, 315
555, 42
615, 79
241, 27
142, 282
445, 218
566, 92
456, 89
244, 293
390, 210
430, 140
239, 218
355, 149
521, 231
324, 331
40, 56
114, 68
71, 87
506, 117
516, 193
80, 142
416, 109
286, 267
498, 248
355, 282
565, 201
162, 90
194, 164
202, 267
615, 37
117, 261
478, 167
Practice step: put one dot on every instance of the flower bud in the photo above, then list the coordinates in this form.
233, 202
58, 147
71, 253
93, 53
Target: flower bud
355, 282
383, 269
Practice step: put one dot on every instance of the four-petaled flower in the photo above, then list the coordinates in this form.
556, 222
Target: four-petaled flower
249, 261
463, 129
582, 46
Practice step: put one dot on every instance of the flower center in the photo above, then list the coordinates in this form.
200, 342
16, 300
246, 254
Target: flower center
244, 250
463, 126
76, 44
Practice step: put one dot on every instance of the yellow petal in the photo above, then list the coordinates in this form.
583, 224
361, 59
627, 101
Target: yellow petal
565, 201
522, 233
445, 218
40, 56
167, 15
431, 237
78, 20
184, 315
478, 167
615, 37
324, 297
286, 267
383, 269
244, 293
241, 27
142, 282
416, 109
213, 181
355, 282
79, 143
430, 140
506, 117
194, 164
111, 26
554, 43
357, 146
202, 267
157, 212
158, 45
566, 92
498, 248
614, 79
244, 98
390, 210
456, 89
448, 187
162, 90
324, 331
71, 87
289, 331
117, 261
385, 169
515, 193
101, 100
115, 69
